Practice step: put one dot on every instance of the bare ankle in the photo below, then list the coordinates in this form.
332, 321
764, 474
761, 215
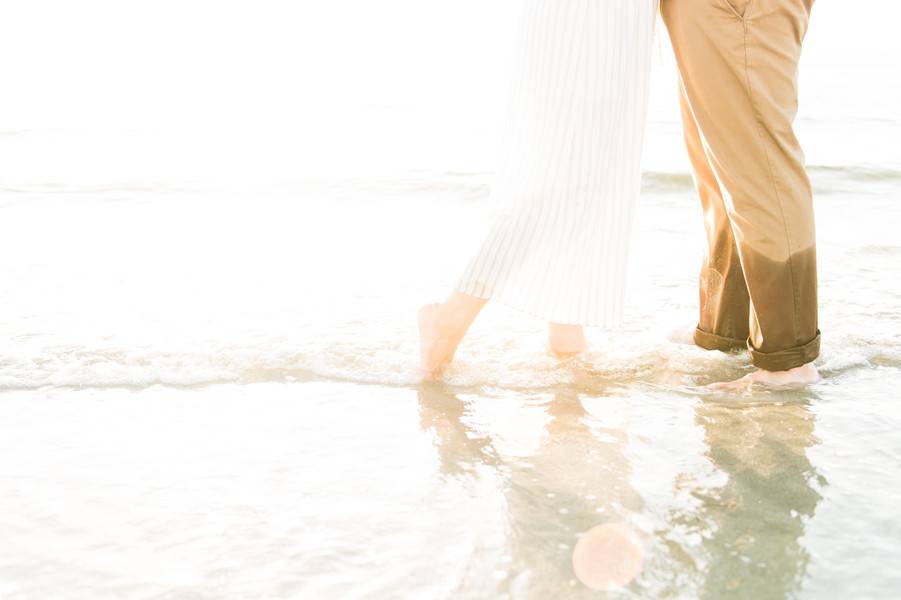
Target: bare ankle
451, 317
566, 340
459, 311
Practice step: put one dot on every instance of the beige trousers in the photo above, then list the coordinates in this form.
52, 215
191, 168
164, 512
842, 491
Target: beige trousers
738, 61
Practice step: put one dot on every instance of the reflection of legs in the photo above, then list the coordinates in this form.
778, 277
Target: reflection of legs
460, 448
738, 70
610, 554
723, 323
770, 493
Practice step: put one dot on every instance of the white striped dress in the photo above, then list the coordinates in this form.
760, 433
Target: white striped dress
569, 177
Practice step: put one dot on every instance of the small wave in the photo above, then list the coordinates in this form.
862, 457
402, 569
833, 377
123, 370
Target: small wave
469, 186
873, 250
81, 367
389, 363
622, 360
666, 182
826, 178
474, 185
465, 186
857, 173
849, 120
53, 188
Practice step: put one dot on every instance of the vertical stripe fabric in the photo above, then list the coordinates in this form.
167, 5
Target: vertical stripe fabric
569, 176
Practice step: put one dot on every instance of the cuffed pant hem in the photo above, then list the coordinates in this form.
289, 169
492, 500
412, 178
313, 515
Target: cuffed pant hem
711, 341
784, 360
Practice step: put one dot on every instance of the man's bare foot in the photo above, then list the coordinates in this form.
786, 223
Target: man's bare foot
793, 378
565, 341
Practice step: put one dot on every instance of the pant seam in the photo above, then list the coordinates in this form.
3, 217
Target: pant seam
759, 117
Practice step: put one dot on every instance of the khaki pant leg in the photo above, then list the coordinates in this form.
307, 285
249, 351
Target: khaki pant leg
738, 62
724, 302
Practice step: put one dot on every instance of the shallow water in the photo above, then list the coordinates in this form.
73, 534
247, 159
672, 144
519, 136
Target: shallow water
338, 490
208, 383
226, 421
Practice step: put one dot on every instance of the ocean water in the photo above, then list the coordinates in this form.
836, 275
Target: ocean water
216, 226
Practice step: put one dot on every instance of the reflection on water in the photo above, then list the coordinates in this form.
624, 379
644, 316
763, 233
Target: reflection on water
771, 480
753, 522
739, 526
573, 478
324, 490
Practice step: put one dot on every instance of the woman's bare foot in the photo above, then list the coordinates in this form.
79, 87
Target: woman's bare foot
565, 341
442, 328
793, 378
436, 347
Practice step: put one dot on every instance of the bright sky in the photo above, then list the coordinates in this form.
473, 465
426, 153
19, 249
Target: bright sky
125, 63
